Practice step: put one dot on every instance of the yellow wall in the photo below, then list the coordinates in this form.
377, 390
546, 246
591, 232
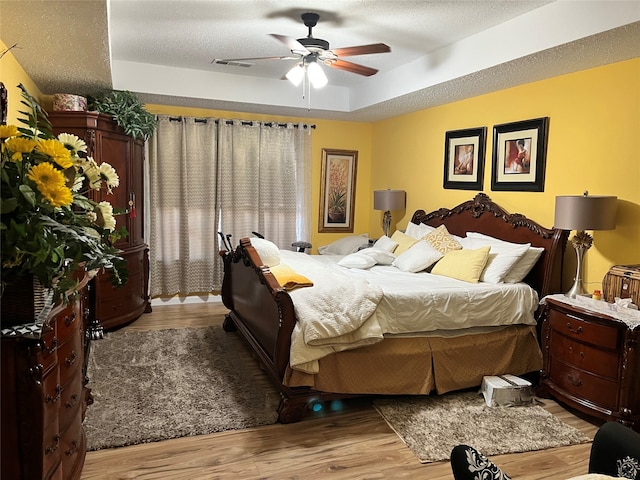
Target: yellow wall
593, 130
12, 74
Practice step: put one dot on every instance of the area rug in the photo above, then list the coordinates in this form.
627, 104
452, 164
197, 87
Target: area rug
156, 385
431, 426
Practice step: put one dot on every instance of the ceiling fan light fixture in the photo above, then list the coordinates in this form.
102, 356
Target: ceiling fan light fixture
295, 75
317, 76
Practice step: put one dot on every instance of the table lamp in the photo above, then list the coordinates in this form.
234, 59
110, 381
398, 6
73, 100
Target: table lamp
580, 213
388, 200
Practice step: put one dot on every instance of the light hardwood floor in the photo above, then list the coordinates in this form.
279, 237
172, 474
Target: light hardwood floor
355, 444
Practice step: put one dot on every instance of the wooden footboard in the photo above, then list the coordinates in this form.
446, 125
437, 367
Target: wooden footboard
262, 311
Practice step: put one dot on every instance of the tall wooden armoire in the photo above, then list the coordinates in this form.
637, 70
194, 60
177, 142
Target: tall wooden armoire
106, 142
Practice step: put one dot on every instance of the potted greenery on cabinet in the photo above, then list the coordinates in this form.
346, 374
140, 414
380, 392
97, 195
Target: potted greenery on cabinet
125, 108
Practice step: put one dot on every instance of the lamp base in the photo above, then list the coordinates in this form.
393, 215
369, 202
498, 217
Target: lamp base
581, 243
386, 222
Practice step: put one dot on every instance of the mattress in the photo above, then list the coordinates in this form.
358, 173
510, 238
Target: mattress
423, 303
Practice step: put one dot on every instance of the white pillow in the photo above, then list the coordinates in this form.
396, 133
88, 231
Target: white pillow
418, 231
385, 243
501, 259
357, 260
522, 266
268, 251
345, 246
416, 258
466, 242
382, 257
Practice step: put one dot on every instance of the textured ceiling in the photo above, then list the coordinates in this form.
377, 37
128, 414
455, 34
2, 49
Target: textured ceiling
162, 50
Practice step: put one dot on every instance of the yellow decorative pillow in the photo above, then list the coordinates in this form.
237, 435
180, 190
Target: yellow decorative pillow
466, 265
289, 278
441, 240
403, 240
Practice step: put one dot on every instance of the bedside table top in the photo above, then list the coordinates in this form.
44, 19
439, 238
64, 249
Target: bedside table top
626, 315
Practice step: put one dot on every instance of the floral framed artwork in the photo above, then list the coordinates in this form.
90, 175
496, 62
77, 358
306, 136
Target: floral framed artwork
519, 155
464, 152
337, 190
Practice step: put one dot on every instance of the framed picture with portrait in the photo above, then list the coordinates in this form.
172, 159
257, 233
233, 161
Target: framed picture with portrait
337, 190
519, 155
464, 152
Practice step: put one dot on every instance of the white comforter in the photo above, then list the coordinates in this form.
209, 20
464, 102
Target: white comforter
349, 308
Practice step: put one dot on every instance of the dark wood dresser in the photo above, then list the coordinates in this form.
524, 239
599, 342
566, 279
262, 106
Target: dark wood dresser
592, 358
112, 306
44, 395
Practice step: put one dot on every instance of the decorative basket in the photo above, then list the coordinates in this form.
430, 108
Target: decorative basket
65, 102
25, 301
622, 281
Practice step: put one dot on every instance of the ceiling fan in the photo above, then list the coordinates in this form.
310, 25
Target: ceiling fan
312, 51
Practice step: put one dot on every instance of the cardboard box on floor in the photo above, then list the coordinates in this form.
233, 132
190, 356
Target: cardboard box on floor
506, 390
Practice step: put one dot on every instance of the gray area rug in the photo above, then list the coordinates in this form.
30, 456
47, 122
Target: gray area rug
156, 385
431, 426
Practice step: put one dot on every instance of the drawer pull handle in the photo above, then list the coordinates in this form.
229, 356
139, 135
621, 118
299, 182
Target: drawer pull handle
54, 345
73, 449
68, 320
577, 331
581, 354
36, 372
54, 447
577, 382
72, 401
50, 399
71, 360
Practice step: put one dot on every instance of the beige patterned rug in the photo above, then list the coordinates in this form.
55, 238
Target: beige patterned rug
157, 385
431, 426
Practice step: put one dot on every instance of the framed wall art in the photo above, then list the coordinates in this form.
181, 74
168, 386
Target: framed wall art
464, 152
519, 155
337, 190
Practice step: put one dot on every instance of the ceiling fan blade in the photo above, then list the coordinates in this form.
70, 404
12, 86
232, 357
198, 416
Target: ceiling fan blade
354, 68
294, 45
233, 60
362, 50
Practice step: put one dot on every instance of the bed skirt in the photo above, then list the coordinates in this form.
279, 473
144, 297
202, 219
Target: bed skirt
420, 365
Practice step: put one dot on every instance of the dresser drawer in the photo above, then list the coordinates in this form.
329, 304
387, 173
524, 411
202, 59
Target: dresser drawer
72, 444
51, 392
50, 446
121, 301
70, 357
585, 356
69, 322
44, 352
572, 326
582, 384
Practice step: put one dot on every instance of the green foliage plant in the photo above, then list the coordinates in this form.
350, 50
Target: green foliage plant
126, 110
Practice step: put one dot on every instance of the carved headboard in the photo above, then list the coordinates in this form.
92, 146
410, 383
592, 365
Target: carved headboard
484, 216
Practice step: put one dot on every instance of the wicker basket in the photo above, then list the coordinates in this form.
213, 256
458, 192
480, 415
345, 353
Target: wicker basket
622, 281
25, 301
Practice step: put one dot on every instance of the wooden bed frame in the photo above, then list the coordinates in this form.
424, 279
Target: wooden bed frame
263, 312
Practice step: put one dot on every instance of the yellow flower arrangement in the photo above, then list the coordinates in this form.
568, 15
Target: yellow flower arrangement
50, 227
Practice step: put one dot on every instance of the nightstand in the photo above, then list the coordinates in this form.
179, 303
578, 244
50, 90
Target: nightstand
591, 358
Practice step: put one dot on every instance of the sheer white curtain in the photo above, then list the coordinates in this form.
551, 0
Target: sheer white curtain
183, 213
233, 176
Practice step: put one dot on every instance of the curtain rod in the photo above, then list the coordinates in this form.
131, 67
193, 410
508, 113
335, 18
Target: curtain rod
243, 122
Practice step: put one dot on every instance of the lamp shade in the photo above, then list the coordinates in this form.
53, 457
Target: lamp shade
389, 199
585, 212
